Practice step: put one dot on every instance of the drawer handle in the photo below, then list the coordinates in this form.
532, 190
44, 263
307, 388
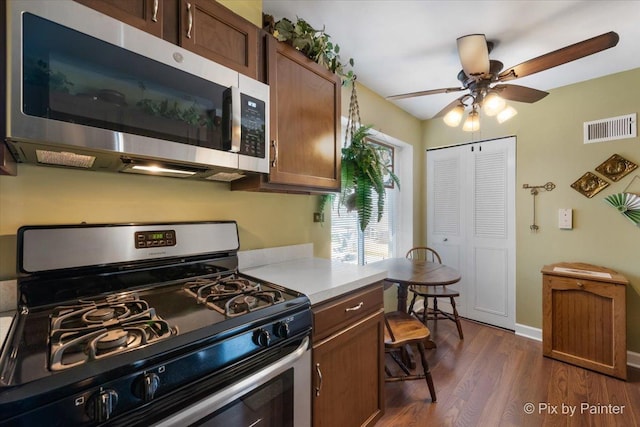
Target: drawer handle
319, 387
189, 20
580, 284
355, 308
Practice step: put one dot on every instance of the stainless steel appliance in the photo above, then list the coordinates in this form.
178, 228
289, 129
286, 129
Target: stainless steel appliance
88, 91
143, 324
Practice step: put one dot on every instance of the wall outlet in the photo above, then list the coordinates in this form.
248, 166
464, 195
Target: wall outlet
565, 219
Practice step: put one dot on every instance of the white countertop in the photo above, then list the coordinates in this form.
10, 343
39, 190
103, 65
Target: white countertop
318, 278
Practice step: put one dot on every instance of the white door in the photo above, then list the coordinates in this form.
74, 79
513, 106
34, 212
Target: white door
480, 198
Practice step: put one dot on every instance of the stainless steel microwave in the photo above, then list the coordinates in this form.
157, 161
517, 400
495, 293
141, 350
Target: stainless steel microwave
88, 91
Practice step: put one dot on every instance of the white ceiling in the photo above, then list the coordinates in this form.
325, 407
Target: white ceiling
402, 46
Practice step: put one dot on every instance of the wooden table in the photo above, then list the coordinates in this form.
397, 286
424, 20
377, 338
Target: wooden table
406, 272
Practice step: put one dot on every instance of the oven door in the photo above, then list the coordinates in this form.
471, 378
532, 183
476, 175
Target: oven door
277, 396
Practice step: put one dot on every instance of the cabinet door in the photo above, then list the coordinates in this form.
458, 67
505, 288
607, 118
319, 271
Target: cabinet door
348, 375
213, 31
305, 119
143, 14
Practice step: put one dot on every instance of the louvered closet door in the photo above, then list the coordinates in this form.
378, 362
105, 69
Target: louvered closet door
480, 197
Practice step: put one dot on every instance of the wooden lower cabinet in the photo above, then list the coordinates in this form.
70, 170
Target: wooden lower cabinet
347, 368
584, 317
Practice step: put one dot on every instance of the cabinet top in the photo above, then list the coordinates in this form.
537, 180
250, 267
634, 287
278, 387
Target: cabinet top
585, 271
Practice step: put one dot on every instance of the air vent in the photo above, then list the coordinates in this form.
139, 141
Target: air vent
620, 127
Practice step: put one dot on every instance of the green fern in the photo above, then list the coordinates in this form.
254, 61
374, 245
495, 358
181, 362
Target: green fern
363, 174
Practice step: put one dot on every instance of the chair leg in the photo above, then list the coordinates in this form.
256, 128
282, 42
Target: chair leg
435, 310
455, 315
413, 301
427, 372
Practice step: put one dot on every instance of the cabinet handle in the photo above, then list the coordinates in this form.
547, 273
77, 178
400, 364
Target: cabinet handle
319, 387
355, 307
580, 284
189, 20
274, 145
154, 18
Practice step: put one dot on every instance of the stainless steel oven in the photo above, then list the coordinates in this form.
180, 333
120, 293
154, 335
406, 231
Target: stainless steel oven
278, 395
151, 324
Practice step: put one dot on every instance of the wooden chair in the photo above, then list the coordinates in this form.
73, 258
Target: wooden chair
402, 329
434, 292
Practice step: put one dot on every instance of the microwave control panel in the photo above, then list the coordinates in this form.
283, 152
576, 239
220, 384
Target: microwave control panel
253, 138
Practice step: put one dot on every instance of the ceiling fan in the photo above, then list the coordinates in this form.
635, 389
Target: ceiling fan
482, 78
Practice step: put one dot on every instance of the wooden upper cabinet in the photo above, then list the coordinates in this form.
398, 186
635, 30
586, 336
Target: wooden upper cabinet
213, 31
305, 119
143, 14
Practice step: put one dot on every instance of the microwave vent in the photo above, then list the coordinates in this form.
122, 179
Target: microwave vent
611, 129
65, 159
225, 176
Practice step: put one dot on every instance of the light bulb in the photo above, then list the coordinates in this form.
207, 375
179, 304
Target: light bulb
472, 123
506, 114
493, 104
454, 116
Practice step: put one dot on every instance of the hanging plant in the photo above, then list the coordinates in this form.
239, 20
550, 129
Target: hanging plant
363, 169
314, 44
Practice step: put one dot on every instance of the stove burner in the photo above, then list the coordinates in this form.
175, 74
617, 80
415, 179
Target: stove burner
112, 339
95, 329
231, 295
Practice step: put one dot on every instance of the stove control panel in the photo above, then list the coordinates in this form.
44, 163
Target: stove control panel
154, 239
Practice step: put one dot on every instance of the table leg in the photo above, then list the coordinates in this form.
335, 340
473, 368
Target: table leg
402, 298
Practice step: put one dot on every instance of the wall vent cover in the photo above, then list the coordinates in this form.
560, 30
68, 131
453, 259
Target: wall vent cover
610, 129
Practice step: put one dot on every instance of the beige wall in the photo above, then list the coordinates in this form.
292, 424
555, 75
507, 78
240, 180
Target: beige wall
251, 10
550, 148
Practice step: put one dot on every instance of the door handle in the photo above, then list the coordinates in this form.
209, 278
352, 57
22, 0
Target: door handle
189, 20
154, 17
319, 386
274, 145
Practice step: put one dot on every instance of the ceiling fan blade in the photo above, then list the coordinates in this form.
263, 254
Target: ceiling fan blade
446, 109
425, 92
474, 54
561, 56
520, 93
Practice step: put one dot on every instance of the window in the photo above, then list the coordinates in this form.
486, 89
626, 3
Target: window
384, 239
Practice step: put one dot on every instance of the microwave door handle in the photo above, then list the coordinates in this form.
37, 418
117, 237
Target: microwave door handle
235, 120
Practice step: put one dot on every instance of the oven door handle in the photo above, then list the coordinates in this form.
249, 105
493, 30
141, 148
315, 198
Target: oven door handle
227, 395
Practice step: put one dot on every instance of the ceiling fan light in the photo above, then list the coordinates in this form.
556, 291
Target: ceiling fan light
472, 123
454, 116
493, 104
506, 114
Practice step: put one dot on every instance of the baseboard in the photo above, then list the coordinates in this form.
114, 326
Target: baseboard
633, 358
529, 332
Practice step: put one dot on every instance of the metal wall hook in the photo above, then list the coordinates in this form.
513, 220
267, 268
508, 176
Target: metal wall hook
549, 186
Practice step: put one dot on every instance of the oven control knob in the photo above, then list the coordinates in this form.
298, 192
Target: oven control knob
282, 330
262, 337
145, 386
102, 404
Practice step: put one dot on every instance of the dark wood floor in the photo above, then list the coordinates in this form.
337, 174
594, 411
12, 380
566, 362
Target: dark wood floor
495, 378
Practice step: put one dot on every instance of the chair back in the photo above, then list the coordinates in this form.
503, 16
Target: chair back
424, 253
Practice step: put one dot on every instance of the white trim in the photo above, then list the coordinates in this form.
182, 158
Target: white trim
633, 358
528, 332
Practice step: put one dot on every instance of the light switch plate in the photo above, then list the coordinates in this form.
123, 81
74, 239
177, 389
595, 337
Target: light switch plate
565, 219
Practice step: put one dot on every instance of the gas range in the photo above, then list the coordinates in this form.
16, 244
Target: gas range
132, 318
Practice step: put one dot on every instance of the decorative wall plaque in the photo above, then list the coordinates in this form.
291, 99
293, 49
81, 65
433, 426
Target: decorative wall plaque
589, 185
616, 167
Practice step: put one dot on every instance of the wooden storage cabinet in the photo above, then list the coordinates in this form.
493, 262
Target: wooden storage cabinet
204, 27
348, 360
304, 125
146, 15
584, 317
